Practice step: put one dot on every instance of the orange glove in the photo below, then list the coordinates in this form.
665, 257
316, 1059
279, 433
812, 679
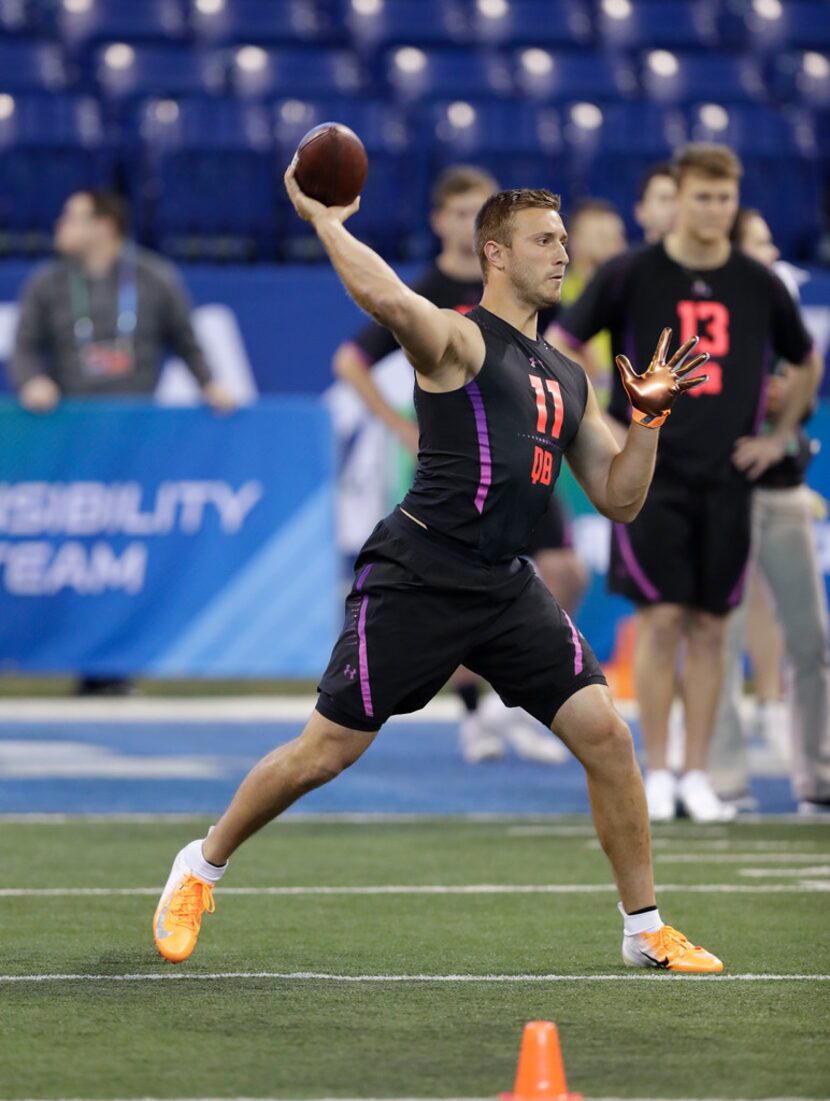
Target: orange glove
653, 393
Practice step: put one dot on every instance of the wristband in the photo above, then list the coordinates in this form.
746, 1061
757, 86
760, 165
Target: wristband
648, 420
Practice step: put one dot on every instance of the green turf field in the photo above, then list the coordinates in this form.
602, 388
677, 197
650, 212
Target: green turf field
168, 1035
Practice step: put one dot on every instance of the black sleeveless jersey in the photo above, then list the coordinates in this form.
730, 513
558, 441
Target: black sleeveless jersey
490, 452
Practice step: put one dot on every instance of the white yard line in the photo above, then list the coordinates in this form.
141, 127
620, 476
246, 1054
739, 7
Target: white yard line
822, 870
737, 858
807, 887
326, 976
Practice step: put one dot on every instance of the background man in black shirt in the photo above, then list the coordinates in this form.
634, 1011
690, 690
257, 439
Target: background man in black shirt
683, 560
453, 282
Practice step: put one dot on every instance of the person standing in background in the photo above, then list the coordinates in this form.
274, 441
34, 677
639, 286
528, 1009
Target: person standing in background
784, 566
596, 234
98, 321
454, 281
656, 208
683, 560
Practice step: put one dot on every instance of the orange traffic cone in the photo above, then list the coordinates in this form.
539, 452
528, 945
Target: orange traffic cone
541, 1073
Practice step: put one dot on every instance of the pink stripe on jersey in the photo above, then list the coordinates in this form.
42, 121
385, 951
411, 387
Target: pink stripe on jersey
484, 458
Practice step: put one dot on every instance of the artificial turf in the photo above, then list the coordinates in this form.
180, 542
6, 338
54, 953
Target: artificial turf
318, 1038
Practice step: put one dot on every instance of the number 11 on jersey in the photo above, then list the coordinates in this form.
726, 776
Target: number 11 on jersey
542, 405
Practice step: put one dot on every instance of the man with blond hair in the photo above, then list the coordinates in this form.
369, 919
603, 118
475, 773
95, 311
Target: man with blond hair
684, 558
440, 582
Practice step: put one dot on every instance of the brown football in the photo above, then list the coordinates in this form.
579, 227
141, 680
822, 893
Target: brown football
331, 164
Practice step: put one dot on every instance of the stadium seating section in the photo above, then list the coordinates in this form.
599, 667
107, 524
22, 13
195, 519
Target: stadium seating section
193, 107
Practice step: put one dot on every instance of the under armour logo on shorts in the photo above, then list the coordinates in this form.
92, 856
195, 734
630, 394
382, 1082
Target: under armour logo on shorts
350, 672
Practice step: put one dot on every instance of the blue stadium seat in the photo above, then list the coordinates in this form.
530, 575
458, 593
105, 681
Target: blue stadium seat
130, 72
610, 147
792, 24
275, 74
405, 22
443, 74
122, 21
531, 23
750, 129
669, 77
558, 77
18, 17
194, 163
31, 66
262, 22
804, 78
50, 146
520, 144
670, 24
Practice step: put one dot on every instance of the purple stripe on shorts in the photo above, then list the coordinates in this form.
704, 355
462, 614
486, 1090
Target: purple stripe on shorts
737, 593
577, 644
363, 660
362, 657
485, 468
634, 568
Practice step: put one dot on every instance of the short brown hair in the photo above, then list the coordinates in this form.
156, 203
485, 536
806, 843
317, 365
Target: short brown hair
494, 222
742, 219
459, 179
109, 206
656, 171
718, 162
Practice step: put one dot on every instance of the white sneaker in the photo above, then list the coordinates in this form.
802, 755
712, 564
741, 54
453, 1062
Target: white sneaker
661, 795
533, 743
813, 808
773, 725
699, 800
478, 742
522, 732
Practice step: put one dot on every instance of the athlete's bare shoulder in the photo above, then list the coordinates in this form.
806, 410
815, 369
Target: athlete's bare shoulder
463, 358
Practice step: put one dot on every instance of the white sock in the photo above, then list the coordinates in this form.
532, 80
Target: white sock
192, 856
649, 922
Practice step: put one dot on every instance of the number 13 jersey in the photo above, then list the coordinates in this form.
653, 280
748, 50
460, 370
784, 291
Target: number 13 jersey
490, 452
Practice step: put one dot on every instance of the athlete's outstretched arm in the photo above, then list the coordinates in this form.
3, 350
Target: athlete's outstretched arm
617, 479
427, 334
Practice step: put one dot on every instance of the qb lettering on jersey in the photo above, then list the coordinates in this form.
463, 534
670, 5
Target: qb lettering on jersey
542, 466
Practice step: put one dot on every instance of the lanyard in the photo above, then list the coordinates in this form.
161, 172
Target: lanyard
83, 326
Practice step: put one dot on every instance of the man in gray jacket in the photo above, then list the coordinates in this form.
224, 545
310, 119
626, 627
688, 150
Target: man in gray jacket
99, 320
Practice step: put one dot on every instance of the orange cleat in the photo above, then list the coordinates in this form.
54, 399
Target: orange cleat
178, 916
670, 950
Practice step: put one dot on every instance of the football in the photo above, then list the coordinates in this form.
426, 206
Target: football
331, 164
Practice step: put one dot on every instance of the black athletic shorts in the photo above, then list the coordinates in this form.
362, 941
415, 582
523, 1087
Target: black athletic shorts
421, 606
689, 546
553, 532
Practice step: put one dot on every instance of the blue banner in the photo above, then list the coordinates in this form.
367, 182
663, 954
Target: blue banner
170, 542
